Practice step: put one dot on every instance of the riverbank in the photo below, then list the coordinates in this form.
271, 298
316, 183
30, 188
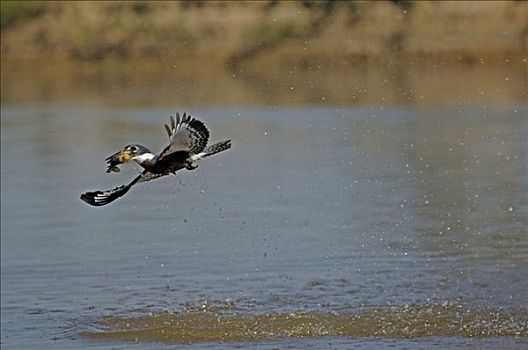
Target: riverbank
261, 36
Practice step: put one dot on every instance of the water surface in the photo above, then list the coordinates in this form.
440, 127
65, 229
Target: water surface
316, 211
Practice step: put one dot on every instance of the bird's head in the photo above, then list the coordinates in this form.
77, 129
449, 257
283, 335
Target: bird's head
136, 153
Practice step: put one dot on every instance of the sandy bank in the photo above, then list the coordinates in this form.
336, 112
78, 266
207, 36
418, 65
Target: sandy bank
246, 36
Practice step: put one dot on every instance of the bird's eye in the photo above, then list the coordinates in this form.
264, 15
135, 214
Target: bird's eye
133, 148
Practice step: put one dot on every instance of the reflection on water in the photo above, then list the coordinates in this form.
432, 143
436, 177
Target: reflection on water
317, 212
167, 84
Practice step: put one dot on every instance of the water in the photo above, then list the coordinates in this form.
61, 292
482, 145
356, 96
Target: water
314, 211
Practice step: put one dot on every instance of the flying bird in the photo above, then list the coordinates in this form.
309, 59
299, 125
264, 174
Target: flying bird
188, 139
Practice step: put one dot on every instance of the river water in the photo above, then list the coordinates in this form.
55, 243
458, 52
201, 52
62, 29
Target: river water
320, 219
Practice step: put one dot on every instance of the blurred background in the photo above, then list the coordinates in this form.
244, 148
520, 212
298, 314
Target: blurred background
376, 194
264, 52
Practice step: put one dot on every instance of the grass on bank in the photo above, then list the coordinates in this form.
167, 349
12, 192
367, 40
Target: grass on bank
13, 12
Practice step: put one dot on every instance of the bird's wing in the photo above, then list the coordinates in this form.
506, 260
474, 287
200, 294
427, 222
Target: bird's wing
100, 198
185, 134
150, 176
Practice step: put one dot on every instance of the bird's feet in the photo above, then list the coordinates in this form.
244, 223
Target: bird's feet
191, 166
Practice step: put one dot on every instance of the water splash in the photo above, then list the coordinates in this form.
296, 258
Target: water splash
402, 322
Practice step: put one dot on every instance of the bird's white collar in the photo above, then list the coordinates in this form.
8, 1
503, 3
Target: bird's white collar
143, 157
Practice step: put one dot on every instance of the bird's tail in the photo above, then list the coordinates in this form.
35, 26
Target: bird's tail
217, 147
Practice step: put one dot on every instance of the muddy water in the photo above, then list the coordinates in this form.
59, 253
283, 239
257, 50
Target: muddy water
406, 322
323, 227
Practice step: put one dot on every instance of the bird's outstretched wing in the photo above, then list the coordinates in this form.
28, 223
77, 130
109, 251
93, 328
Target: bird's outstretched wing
100, 198
150, 176
185, 134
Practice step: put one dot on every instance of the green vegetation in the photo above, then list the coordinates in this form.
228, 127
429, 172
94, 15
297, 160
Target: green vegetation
269, 33
12, 12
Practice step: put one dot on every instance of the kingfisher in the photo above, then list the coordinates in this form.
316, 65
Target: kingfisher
188, 139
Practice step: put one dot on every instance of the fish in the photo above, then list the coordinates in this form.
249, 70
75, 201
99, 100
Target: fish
115, 159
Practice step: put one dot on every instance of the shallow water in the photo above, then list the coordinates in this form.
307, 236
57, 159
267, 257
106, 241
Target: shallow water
316, 211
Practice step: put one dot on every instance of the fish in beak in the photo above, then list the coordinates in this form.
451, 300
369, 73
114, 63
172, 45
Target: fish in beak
116, 159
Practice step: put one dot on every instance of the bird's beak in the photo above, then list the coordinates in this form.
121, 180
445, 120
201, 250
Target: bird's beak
116, 159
